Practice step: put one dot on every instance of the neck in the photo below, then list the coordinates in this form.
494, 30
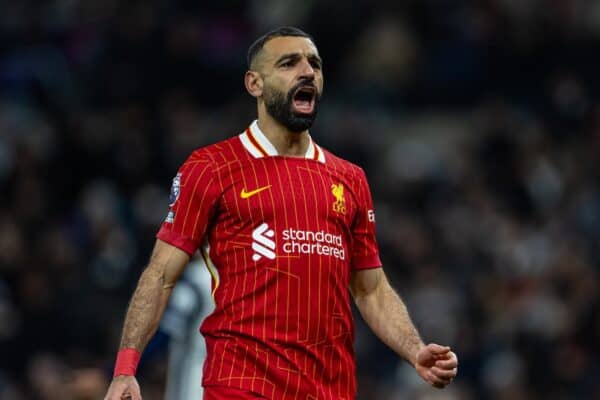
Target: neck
287, 143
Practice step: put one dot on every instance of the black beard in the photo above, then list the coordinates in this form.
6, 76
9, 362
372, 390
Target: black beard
279, 106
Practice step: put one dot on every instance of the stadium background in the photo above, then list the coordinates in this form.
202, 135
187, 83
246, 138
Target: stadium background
477, 122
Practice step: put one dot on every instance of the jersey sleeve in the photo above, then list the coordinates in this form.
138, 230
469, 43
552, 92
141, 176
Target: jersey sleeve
193, 200
365, 252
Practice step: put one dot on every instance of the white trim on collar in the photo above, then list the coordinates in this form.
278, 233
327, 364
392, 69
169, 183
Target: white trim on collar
314, 152
257, 144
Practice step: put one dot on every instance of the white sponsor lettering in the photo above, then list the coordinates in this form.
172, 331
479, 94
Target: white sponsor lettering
310, 242
296, 241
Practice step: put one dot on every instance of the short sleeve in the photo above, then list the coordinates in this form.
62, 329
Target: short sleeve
193, 198
365, 252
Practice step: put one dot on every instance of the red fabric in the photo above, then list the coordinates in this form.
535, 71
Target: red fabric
366, 262
225, 393
282, 326
127, 362
181, 242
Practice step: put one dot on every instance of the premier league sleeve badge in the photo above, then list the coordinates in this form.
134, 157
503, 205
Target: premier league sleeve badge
173, 196
175, 189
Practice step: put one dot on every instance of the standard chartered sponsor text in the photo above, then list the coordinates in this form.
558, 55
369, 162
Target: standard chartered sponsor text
310, 242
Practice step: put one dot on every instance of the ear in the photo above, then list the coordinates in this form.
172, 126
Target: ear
254, 83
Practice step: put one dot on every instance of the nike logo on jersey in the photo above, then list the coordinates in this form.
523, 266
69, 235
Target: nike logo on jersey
245, 195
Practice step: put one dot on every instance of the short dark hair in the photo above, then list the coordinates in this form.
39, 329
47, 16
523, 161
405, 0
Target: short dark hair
259, 43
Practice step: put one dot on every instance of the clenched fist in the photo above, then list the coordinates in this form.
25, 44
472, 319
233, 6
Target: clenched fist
437, 365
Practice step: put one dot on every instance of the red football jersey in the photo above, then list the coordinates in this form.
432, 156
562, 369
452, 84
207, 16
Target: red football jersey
281, 236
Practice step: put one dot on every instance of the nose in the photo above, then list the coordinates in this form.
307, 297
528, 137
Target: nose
306, 70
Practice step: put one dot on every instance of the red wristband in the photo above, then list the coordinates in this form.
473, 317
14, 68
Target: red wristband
127, 362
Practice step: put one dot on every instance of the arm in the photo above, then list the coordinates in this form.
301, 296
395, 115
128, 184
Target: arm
152, 295
146, 308
385, 313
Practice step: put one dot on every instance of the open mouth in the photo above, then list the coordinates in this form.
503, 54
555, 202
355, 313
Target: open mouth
304, 100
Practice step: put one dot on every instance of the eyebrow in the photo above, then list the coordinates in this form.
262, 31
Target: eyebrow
293, 56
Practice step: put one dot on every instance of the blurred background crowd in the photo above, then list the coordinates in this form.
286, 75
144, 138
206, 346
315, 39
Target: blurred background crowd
477, 122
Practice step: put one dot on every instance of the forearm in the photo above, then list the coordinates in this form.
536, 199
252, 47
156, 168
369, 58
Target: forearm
145, 309
386, 314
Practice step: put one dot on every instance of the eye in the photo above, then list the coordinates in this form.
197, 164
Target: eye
287, 64
315, 64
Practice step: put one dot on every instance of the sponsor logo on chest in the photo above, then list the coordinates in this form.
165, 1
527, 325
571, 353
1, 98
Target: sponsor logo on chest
295, 242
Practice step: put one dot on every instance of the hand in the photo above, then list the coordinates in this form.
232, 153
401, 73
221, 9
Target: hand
124, 387
436, 364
